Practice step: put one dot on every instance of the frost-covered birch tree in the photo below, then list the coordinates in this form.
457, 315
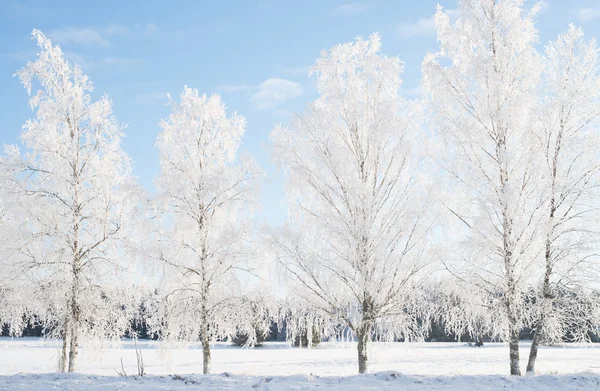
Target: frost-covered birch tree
356, 242
205, 197
568, 135
70, 194
13, 296
482, 91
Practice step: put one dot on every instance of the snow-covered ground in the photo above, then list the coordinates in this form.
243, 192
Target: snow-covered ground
29, 363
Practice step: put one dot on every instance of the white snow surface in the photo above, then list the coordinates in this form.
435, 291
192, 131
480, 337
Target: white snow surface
30, 364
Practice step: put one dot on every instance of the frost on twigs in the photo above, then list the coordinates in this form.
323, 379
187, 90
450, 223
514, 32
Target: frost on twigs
355, 246
568, 136
259, 311
482, 93
71, 195
205, 201
520, 131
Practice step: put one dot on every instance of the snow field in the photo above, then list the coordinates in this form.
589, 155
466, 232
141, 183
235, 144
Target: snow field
411, 366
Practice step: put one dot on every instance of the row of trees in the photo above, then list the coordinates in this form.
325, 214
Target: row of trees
487, 186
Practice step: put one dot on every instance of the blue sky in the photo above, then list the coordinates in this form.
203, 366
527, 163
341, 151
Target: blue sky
256, 54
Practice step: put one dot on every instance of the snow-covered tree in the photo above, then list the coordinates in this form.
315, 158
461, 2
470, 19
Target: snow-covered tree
205, 198
482, 91
11, 312
356, 242
568, 135
463, 313
71, 193
261, 309
15, 307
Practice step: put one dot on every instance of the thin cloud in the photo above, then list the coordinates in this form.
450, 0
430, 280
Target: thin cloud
422, 27
79, 36
114, 63
101, 36
151, 29
75, 58
274, 92
268, 95
587, 14
119, 30
350, 8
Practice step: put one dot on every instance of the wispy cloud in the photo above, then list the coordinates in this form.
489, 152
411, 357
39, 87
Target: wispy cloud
114, 63
274, 92
76, 58
100, 36
268, 95
151, 29
587, 14
422, 27
350, 8
79, 36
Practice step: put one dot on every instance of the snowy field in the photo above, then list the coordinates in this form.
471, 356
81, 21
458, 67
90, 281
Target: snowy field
29, 363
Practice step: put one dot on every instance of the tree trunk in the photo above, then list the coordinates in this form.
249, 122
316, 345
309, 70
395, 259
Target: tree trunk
534, 346
363, 359
64, 355
511, 297
205, 338
513, 345
546, 291
364, 334
76, 270
74, 321
205, 355
204, 315
74, 347
513, 330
